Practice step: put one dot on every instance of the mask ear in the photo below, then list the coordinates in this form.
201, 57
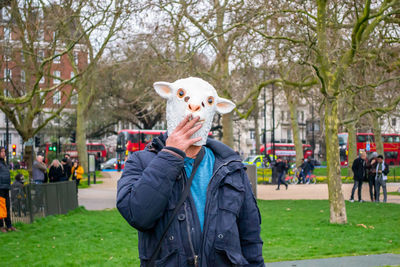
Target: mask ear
164, 89
224, 105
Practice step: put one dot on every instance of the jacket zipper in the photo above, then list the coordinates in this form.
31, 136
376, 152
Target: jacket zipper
207, 203
195, 257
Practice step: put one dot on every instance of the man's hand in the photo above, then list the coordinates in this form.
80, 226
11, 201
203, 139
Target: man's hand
181, 137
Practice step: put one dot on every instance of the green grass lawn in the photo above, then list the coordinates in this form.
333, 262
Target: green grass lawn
290, 230
394, 193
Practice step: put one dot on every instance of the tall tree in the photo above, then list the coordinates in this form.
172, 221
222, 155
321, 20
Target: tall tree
35, 94
333, 34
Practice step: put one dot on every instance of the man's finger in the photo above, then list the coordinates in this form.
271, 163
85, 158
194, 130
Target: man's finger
190, 124
183, 123
194, 140
194, 129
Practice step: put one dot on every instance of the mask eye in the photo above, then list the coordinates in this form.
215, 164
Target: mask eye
210, 100
181, 93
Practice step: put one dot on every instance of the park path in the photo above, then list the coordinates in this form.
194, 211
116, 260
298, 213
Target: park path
353, 261
100, 196
103, 196
319, 191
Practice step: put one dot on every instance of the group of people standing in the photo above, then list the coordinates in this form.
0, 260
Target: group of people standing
374, 171
57, 171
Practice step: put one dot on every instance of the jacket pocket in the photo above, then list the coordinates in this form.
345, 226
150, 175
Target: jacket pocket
231, 193
228, 257
170, 260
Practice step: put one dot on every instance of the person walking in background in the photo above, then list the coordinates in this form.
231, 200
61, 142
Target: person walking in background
359, 171
382, 171
5, 185
77, 173
39, 170
371, 167
66, 169
56, 172
281, 168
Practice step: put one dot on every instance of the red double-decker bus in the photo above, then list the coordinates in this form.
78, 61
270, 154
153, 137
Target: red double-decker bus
129, 141
366, 142
287, 151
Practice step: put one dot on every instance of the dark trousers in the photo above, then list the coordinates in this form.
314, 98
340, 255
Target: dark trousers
378, 183
372, 191
281, 179
357, 184
6, 194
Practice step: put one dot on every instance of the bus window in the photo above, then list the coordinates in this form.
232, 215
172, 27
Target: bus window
342, 139
396, 139
370, 138
361, 139
389, 139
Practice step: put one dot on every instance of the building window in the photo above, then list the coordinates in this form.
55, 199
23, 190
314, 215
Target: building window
41, 35
282, 115
56, 59
9, 138
288, 116
57, 98
22, 76
74, 98
5, 14
7, 74
393, 121
72, 74
289, 135
302, 116
40, 56
57, 75
7, 33
252, 134
42, 97
76, 58
42, 80
22, 56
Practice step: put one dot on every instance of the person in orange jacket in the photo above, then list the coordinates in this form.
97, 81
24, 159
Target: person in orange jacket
77, 173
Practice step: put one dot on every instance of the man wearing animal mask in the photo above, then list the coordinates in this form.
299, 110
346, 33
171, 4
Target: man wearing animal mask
188, 195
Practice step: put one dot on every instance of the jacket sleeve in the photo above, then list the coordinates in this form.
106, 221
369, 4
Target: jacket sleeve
143, 192
386, 170
249, 227
354, 166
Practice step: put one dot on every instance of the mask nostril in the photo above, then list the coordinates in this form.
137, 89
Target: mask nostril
202, 103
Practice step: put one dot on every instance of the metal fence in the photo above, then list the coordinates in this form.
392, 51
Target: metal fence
40, 200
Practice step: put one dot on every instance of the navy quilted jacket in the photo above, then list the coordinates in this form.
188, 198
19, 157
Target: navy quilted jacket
149, 189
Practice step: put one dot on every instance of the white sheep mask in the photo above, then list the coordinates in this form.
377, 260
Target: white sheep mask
192, 96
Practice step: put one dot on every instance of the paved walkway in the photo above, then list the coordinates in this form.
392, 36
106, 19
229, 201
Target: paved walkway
353, 261
103, 196
319, 191
100, 196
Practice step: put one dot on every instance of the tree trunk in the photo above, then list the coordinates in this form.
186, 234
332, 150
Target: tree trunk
295, 128
81, 117
227, 128
28, 158
336, 199
377, 134
352, 152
